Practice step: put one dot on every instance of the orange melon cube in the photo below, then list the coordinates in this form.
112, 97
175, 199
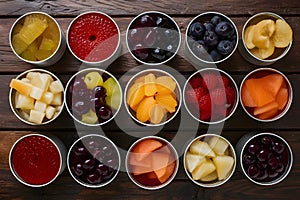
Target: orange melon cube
151, 175
265, 108
138, 170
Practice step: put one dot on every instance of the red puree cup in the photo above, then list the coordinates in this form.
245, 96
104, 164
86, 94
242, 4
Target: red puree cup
94, 38
37, 160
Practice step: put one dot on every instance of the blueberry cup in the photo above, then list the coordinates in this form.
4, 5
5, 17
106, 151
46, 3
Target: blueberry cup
209, 160
37, 160
93, 161
93, 97
266, 94
265, 158
210, 96
36, 97
151, 163
37, 38
153, 38
255, 50
152, 97
210, 38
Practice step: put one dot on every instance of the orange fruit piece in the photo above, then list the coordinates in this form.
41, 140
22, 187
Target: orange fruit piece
265, 108
151, 175
282, 98
169, 171
21, 86
268, 115
167, 82
138, 170
157, 114
150, 86
246, 97
143, 110
272, 83
163, 90
159, 163
135, 94
145, 147
167, 101
146, 162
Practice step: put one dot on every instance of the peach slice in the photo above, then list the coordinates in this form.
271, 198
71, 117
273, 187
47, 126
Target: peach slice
283, 34
159, 163
167, 101
133, 159
143, 110
138, 170
271, 83
249, 32
150, 85
136, 97
167, 82
161, 90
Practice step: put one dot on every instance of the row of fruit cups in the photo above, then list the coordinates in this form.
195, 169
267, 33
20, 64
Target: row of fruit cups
152, 38
151, 162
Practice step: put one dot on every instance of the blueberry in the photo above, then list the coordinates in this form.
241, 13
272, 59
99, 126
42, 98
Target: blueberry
158, 53
215, 56
210, 38
197, 29
209, 26
225, 47
199, 48
215, 20
224, 29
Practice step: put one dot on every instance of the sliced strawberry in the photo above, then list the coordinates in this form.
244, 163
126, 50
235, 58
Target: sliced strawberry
196, 81
223, 81
219, 112
205, 107
210, 80
218, 96
230, 95
194, 95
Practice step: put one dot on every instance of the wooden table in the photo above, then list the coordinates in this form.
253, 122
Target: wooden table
65, 187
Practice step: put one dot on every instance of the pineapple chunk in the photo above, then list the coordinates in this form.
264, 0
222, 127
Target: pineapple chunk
203, 170
210, 177
22, 87
17, 28
47, 44
28, 55
18, 44
50, 112
90, 117
23, 102
47, 97
57, 99
202, 148
218, 145
42, 81
40, 106
36, 93
36, 116
193, 160
42, 54
56, 87
224, 165
32, 31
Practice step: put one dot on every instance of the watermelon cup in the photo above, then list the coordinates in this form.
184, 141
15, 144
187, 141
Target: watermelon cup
94, 38
272, 97
36, 38
153, 38
210, 95
152, 97
37, 160
152, 162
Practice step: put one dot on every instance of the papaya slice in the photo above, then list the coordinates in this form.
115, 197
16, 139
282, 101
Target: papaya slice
271, 83
282, 98
169, 171
246, 97
268, 115
145, 147
265, 108
159, 163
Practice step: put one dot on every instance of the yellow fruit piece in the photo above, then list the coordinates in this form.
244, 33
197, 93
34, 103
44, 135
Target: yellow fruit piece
93, 79
265, 53
41, 81
36, 116
224, 165
34, 18
249, 32
17, 28
133, 89
136, 97
47, 97
57, 99
40, 106
218, 145
90, 117
255, 52
32, 31
28, 55
193, 160
202, 148
161, 90
203, 170
210, 177
47, 44
23, 102
167, 82
50, 111
36, 93
110, 85
18, 43
157, 114
143, 110
263, 30
42, 54
167, 101
22, 87
52, 32
150, 86
56, 87
283, 34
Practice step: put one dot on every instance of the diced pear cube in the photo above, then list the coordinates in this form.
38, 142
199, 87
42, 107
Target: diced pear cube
218, 145
36, 93
57, 99
36, 116
210, 177
193, 160
56, 87
47, 97
203, 170
40, 106
202, 148
24, 115
41, 81
23, 102
31, 75
25, 80
22, 87
224, 165
58, 108
50, 112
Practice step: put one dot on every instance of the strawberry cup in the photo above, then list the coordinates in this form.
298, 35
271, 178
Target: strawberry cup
94, 38
152, 162
210, 96
37, 160
266, 94
36, 38
153, 38
209, 160
152, 97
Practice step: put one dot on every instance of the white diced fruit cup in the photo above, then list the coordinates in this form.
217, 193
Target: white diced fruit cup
36, 96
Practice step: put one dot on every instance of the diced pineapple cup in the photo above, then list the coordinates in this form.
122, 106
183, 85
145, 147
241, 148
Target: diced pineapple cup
36, 38
152, 97
209, 160
36, 97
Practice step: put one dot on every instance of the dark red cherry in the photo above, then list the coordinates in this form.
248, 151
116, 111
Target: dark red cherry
253, 171
89, 164
78, 169
94, 178
253, 148
278, 147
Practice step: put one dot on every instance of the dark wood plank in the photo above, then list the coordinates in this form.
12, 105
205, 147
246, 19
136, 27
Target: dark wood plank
133, 7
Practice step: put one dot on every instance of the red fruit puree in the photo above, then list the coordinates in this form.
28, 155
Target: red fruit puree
36, 160
93, 37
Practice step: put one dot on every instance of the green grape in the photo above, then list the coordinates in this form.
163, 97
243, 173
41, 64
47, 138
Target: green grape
93, 79
89, 117
110, 85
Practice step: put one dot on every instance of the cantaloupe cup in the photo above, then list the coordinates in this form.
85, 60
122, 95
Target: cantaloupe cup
273, 110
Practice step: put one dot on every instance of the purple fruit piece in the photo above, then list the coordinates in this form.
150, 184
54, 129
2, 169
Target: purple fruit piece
253, 171
107, 151
136, 35
146, 21
267, 141
140, 52
112, 163
94, 178
80, 107
249, 159
102, 169
263, 155
78, 169
91, 145
273, 162
89, 164
280, 167
263, 175
99, 92
278, 147
272, 174
80, 151
253, 148
104, 113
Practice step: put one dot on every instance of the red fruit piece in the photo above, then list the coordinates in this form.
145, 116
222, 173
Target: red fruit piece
218, 96
194, 95
210, 80
205, 107
230, 95
223, 81
196, 81
219, 112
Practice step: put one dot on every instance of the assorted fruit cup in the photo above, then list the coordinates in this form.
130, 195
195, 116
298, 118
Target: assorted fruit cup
93, 97
210, 96
266, 38
36, 38
265, 158
152, 97
266, 94
152, 162
93, 161
37, 160
36, 97
209, 160
94, 38
210, 38
153, 38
